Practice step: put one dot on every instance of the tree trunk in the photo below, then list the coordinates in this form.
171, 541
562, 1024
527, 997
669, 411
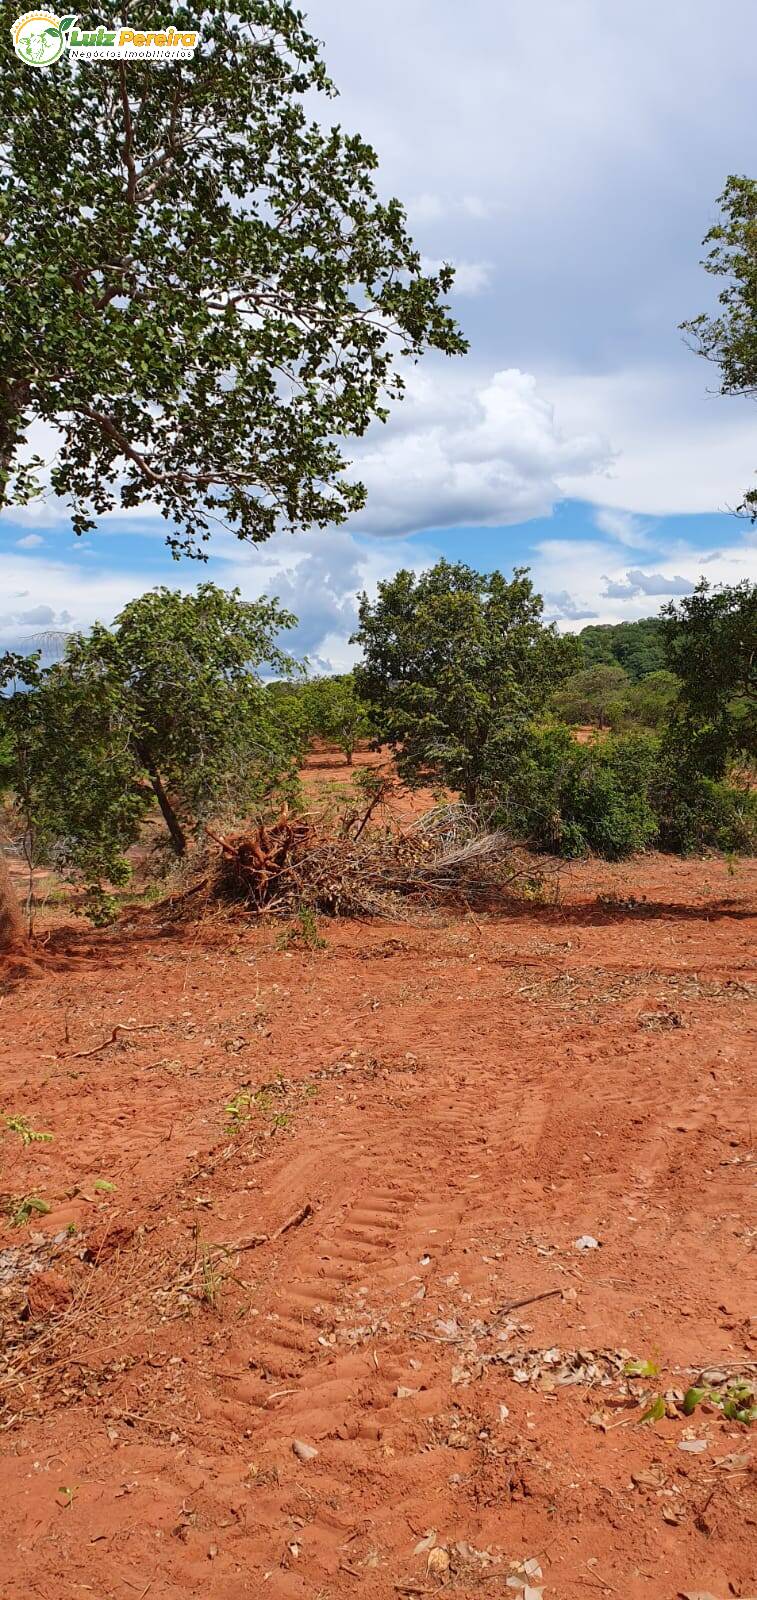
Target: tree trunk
13, 935
13, 398
178, 836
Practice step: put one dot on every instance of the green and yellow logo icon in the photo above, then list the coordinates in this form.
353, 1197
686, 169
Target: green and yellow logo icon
39, 37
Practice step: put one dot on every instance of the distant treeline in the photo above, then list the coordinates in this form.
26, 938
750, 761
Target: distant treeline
637, 647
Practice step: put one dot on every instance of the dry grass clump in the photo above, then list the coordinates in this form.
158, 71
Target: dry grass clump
346, 868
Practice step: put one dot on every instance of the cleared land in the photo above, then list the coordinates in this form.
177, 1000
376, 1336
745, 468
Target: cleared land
284, 1355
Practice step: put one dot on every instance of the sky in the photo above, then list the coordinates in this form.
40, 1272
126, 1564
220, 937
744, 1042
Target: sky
566, 156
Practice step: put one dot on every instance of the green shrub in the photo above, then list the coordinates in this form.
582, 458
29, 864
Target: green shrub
697, 812
578, 799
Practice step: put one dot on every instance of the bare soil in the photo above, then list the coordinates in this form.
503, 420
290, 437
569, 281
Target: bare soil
201, 1400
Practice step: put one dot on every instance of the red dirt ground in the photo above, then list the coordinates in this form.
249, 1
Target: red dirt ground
457, 1101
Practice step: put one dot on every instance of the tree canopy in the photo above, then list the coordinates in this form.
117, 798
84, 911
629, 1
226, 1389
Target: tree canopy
588, 696
637, 647
456, 664
333, 710
166, 706
729, 339
202, 290
711, 643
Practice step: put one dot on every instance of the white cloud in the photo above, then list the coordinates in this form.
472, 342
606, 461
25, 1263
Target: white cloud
564, 607
471, 277
30, 541
468, 450
57, 595
318, 576
425, 208
594, 586
623, 526
679, 447
637, 582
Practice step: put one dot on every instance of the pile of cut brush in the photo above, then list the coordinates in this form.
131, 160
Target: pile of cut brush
446, 856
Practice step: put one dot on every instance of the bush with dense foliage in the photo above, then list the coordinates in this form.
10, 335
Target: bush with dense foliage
711, 644
575, 799
622, 793
695, 810
456, 666
650, 703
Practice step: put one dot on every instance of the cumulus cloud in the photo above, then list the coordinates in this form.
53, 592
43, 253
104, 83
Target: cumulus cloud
318, 577
653, 583
470, 450
677, 448
586, 569
30, 541
61, 597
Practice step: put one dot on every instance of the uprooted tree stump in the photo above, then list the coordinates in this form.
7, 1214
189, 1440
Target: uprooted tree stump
294, 862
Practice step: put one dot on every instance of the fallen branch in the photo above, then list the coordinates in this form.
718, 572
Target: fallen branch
515, 1305
256, 1239
121, 1027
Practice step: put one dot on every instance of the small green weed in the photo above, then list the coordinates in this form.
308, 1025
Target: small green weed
100, 907
303, 931
27, 1134
22, 1207
641, 1369
272, 1102
206, 1269
737, 1400
238, 1111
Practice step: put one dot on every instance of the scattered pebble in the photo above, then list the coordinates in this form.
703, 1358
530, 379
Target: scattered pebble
303, 1451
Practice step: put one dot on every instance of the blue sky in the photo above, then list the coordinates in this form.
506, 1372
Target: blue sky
567, 159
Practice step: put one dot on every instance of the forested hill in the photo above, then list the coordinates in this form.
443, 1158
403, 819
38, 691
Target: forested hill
635, 646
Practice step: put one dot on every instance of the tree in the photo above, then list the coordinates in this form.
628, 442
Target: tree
17, 673
202, 292
166, 707
634, 646
335, 711
587, 696
711, 643
730, 338
456, 664
650, 703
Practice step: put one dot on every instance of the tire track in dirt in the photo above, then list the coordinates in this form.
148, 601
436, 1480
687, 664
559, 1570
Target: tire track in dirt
364, 1260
